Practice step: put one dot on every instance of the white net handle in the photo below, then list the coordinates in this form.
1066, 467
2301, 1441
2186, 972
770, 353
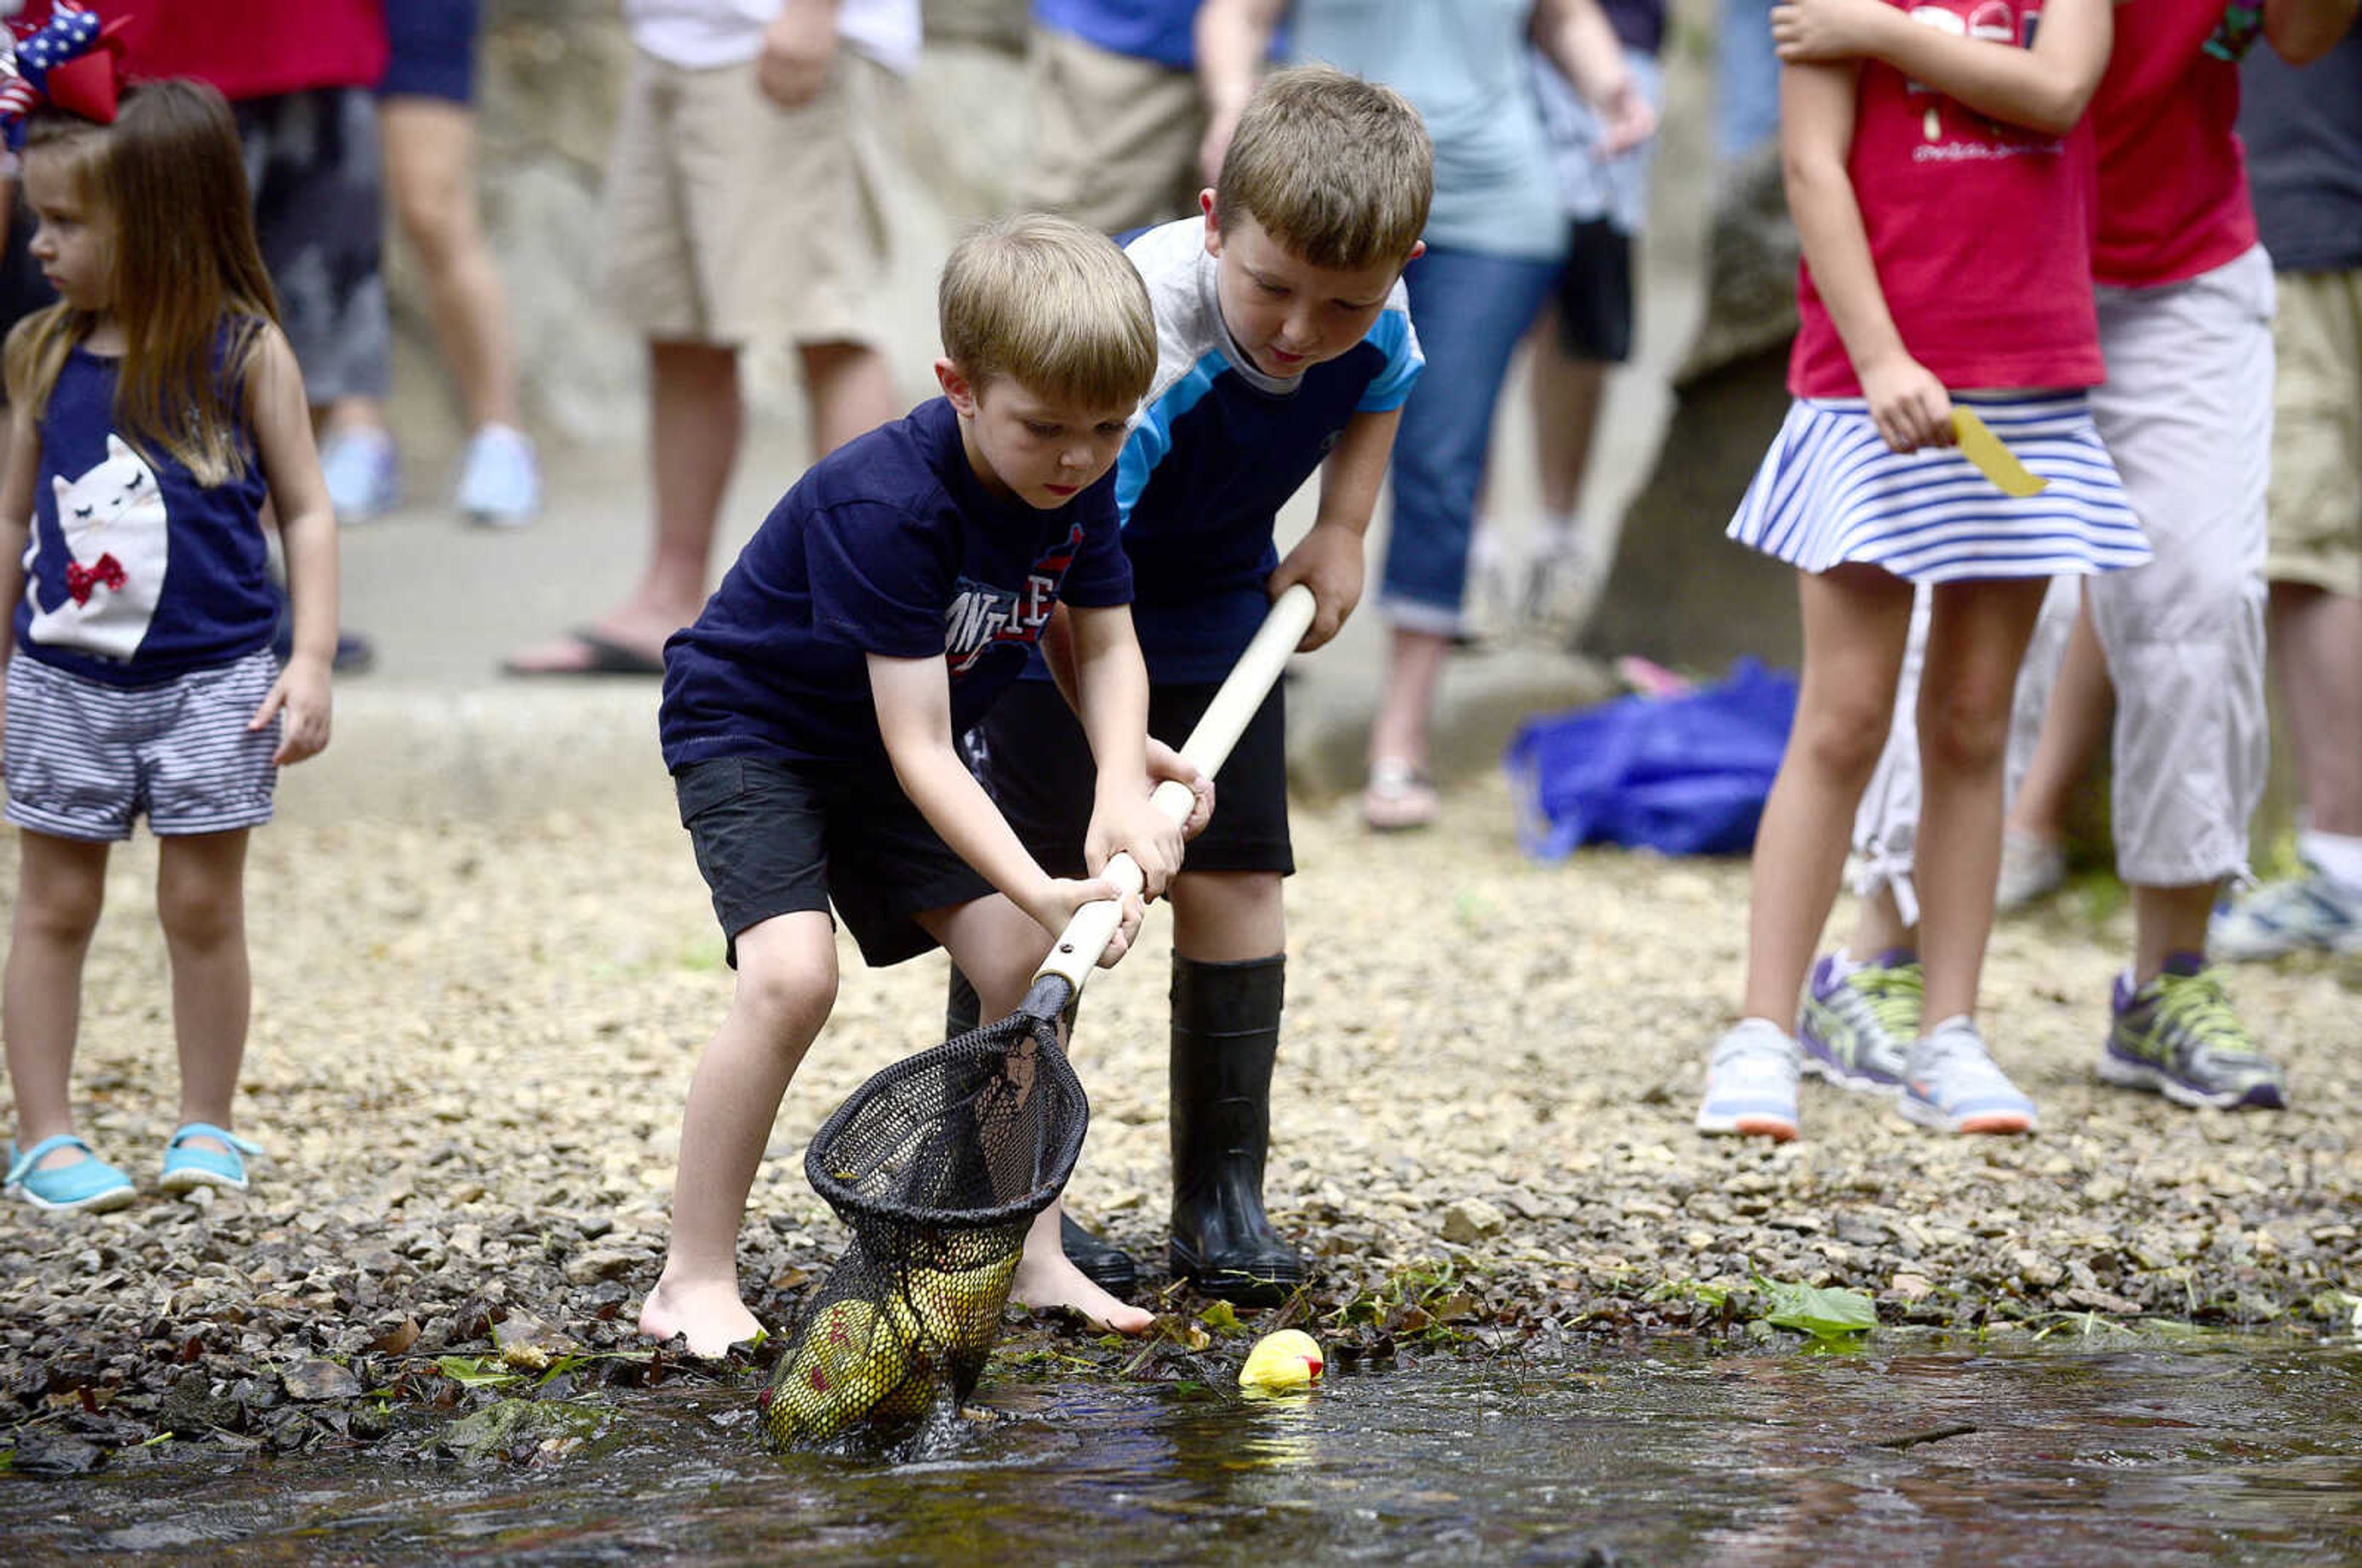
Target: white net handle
1077, 952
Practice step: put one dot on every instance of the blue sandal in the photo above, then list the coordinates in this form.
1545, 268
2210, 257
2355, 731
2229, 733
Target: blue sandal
88, 1185
186, 1167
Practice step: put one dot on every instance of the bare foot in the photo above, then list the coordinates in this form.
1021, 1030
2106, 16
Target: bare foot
712, 1317
1054, 1282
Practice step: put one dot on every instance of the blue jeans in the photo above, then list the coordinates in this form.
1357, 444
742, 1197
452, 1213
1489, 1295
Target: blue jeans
1747, 86
1469, 309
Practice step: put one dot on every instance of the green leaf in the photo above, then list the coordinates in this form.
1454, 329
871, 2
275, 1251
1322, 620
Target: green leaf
1823, 1314
475, 1371
1222, 1319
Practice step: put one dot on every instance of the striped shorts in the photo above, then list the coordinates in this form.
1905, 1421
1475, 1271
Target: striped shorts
1830, 491
84, 758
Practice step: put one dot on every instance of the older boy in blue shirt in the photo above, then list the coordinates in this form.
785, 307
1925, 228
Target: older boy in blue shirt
809, 715
1283, 346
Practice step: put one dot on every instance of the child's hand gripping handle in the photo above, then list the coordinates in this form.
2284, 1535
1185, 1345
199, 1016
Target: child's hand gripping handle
1077, 952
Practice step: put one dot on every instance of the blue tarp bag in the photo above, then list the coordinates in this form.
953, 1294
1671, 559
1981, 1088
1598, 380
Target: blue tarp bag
1682, 774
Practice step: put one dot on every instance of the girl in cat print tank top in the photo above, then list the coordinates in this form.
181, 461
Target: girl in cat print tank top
153, 412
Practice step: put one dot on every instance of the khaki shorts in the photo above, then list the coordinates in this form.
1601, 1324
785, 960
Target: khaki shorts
1114, 139
733, 221
2316, 488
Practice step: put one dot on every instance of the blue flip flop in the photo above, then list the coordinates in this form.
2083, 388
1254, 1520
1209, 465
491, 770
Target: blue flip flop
89, 1185
186, 1167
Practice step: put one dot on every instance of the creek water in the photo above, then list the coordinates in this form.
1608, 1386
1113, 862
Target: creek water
2080, 1449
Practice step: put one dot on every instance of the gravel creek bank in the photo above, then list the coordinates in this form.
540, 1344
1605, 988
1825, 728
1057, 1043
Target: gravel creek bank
471, 1040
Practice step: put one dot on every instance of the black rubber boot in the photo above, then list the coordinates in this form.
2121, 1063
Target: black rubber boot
1225, 1038
1104, 1263
1109, 1267
963, 1009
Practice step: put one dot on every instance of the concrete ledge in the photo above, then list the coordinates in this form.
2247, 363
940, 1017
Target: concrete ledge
512, 749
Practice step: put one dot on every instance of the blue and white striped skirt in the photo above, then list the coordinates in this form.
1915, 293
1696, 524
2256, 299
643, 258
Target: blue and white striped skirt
1830, 491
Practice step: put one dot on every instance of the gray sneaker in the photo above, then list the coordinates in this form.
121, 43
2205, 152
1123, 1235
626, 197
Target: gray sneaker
2178, 1036
1750, 1085
1952, 1086
2031, 869
1857, 1028
2303, 914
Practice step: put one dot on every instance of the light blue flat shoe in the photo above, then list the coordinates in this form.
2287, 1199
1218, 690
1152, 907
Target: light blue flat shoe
90, 1185
186, 1167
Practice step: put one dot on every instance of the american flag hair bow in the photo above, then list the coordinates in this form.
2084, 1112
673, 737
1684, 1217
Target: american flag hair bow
72, 60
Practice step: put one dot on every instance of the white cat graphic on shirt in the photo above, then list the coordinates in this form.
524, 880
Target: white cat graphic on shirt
117, 532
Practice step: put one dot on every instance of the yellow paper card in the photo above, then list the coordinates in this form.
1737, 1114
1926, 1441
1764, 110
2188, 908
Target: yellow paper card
1993, 459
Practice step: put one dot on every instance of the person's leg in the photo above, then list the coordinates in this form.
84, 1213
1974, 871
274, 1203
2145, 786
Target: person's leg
1399, 795
1976, 637
2315, 567
999, 946
1229, 958
322, 231
786, 984
2187, 414
1854, 622
60, 886
1861, 1006
696, 418
2319, 635
2074, 726
430, 148
851, 390
1564, 397
200, 904
1472, 309
429, 166
813, 271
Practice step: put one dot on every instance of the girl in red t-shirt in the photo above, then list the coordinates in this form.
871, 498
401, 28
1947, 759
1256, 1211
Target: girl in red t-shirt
1947, 256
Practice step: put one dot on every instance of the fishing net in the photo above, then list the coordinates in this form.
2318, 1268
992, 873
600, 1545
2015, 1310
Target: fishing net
938, 1165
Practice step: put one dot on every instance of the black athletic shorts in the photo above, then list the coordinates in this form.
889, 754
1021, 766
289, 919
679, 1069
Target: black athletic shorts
1594, 293
1032, 756
776, 837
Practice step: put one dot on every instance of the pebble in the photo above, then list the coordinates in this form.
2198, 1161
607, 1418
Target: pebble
473, 1121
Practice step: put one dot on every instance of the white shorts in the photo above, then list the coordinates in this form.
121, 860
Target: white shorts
85, 759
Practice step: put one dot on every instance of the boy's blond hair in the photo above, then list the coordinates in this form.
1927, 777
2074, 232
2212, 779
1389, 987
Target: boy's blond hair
1338, 170
1051, 304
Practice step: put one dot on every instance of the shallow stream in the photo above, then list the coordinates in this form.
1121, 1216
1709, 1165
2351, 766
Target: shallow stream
2081, 1448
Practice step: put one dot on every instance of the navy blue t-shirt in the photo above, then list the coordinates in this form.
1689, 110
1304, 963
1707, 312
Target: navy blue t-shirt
890, 545
1219, 449
138, 573
2303, 129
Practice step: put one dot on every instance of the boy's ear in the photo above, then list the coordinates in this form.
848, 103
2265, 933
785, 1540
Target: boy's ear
1213, 223
957, 389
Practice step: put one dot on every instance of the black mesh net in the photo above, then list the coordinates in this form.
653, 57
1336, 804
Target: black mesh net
939, 1165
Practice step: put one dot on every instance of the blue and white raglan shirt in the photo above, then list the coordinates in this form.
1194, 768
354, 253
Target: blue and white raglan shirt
890, 545
1218, 448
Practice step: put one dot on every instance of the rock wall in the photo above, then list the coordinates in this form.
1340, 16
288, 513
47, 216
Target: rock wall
1679, 592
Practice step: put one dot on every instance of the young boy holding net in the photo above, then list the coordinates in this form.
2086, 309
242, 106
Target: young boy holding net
1283, 346
809, 715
